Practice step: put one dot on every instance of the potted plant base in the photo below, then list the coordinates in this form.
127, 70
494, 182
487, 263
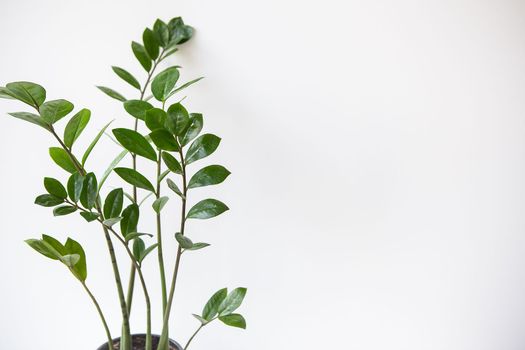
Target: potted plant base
139, 343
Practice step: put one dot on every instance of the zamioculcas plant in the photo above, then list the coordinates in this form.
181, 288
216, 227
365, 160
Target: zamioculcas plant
165, 135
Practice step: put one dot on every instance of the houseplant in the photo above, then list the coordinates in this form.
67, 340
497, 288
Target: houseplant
162, 132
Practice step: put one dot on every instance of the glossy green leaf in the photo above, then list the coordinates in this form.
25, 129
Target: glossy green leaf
110, 168
207, 208
201, 319
172, 163
30, 93
146, 252
130, 219
113, 204
135, 143
126, 76
150, 43
164, 82
170, 52
54, 187
212, 306
88, 216
48, 200
53, 111
112, 221
184, 241
88, 196
161, 32
164, 140
43, 248
138, 248
155, 119
163, 175
179, 32
75, 126
4, 93
137, 108
202, 147
159, 203
70, 260
94, 142
184, 86
74, 186
80, 267
62, 159
112, 93
134, 178
58, 248
232, 301
234, 320
177, 119
193, 130
142, 56
210, 175
64, 210
132, 235
173, 186
198, 246
32, 118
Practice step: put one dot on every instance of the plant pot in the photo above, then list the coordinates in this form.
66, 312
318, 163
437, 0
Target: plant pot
139, 343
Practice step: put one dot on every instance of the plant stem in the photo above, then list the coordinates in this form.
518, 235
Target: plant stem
193, 336
163, 342
126, 335
159, 239
100, 313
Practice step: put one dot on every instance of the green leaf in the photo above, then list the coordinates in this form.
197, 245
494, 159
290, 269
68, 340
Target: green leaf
134, 178
94, 142
4, 93
70, 260
232, 301
172, 163
161, 32
130, 219
212, 306
193, 130
126, 76
142, 56
88, 196
112, 93
147, 251
184, 241
173, 186
135, 143
202, 147
164, 140
59, 248
53, 111
197, 246
137, 108
132, 235
163, 175
30, 93
207, 208
62, 159
201, 319
155, 118
164, 82
138, 248
48, 200
179, 32
111, 166
234, 320
54, 187
43, 248
210, 175
32, 118
112, 221
159, 203
88, 216
80, 267
64, 210
113, 204
74, 186
177, 119
75, 126
183, 86
170, 52
150, 43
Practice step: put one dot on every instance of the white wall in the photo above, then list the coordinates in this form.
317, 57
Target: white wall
377, 154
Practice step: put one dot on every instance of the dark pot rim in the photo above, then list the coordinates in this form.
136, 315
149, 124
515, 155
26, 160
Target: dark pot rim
173, 343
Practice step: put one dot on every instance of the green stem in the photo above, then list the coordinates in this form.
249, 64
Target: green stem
193, 336
100, 313
163, 342
159, 239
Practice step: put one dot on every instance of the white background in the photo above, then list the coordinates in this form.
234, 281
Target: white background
377, 159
